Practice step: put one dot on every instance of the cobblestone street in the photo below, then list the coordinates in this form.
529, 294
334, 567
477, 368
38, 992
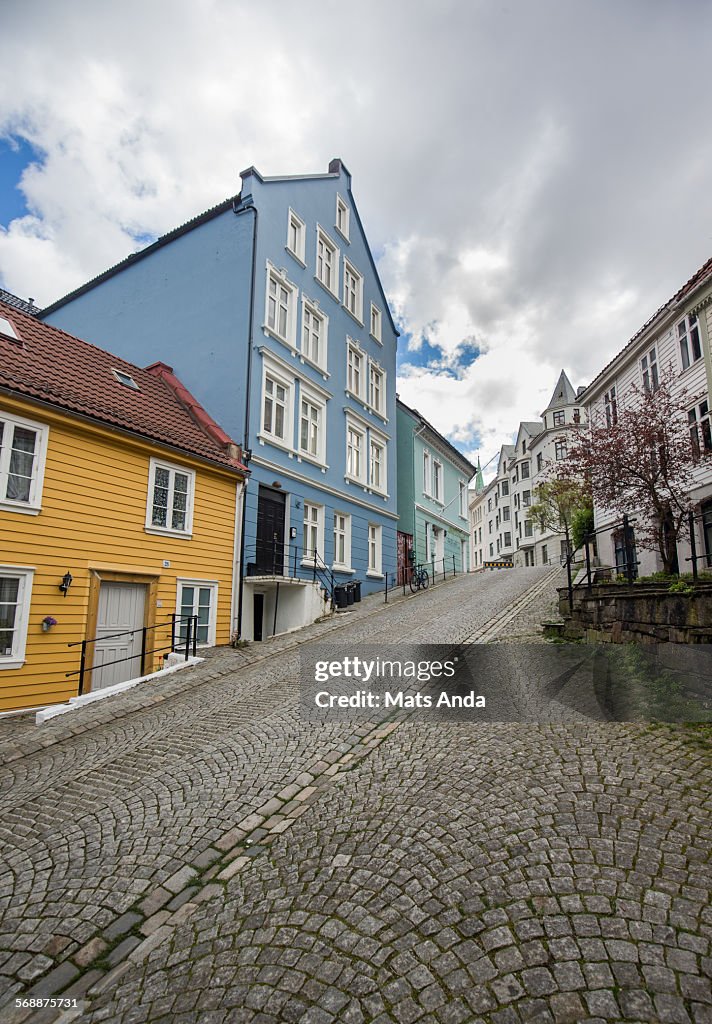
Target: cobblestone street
195, 852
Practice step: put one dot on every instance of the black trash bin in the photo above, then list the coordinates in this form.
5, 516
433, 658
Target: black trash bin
349, 593
340, 596
357, 590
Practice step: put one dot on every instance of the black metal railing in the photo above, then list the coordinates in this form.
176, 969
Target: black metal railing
437, 569
187, 645
282, 560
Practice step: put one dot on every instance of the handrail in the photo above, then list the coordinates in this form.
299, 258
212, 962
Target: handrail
190, 644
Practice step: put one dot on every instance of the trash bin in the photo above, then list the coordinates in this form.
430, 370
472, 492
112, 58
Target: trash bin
349, 593
340, 596
357, 590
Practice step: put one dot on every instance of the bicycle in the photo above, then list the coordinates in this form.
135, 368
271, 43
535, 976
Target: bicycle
419, 579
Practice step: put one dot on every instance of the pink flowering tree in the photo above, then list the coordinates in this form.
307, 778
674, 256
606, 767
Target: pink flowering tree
640, 461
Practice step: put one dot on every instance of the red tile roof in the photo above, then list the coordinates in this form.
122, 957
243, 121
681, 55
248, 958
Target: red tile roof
48, 365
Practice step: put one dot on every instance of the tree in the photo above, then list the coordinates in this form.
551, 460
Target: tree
639, 459
560, 501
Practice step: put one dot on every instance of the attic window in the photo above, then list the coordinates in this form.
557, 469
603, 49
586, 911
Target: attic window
8, 330
126, 379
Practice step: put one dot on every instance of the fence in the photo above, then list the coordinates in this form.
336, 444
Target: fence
407, 575
188, 645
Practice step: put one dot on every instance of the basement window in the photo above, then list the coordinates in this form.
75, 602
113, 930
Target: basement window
125, 379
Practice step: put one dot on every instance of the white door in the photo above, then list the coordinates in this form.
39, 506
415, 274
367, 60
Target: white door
121, 609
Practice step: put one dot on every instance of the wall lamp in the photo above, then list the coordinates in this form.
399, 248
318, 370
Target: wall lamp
66, 583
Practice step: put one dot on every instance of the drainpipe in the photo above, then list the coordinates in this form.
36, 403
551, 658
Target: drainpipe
247, 454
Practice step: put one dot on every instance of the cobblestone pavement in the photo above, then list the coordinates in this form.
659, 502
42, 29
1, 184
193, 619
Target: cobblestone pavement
215, 858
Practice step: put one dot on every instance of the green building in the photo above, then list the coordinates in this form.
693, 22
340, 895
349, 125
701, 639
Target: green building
432, 496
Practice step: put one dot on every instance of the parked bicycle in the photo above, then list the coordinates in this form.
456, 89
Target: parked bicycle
419, 579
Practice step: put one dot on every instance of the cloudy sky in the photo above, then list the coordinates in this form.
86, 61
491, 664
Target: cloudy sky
534, 175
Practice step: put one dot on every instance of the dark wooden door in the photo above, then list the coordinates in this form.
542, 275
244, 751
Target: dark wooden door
269, 555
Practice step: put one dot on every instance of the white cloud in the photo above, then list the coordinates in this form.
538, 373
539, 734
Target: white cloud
532, 176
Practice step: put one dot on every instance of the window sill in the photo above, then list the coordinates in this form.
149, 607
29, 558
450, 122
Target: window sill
315, 366
353, 316
276, 443
326, 288
159, 532
342, 235
21, 507
357, 482
373, 575
8, 663
345, 569
295, 256
377, 340
283, 341
312, 460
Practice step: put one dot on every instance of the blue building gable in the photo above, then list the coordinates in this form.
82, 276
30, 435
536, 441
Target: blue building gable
270, 308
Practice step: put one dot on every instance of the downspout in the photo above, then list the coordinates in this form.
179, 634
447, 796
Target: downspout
247, 454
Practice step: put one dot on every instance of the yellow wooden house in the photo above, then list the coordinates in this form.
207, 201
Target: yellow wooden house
120, 503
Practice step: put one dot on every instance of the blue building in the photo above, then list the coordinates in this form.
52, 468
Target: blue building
270, 308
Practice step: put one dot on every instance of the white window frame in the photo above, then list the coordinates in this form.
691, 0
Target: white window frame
378, 441
310, 523
360, 430
313, 400
428, 475
438, 482
25, 574
294, 221
343, 209
322, 238
281, 280
353, 291
376, 324
352, 349
212, 586
269, 370
690, 325
462, 485
311, 309
172, 468
34, 504
649, 369
375, 548
345, 531
375, 370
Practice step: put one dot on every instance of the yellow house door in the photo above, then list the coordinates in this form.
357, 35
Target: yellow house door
121, 610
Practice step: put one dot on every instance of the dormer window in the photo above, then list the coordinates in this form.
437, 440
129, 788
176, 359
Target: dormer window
7, 329
126, 379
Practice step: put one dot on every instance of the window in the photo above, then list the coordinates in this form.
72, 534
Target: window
611, 407
544, 555
524, 447
375, 322
528, 532
490, 526
23, 446
355, 467
313, 335
15, 592
560, 449
539, 462
507, 539
700, 428
688, 336
505, 514
649, 370
355, 378
312, 531
491, 550
374, 549
296, 236
7, 329
377, 468
463, 499
197, 597
559, 418
342, 217
437, 480
310, 429
504, 488
342, 540
279, 312
489, 504
376, 390
353, 291
525, 471
526, 499
126, 379
170, 498
427, 482
327, 262
275, 408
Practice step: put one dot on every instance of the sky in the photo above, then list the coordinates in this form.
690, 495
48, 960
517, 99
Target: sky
533, 175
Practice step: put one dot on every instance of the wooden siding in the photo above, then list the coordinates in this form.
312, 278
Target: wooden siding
92, 524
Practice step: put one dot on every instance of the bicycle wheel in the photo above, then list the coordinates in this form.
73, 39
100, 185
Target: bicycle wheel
414, 581
424, 579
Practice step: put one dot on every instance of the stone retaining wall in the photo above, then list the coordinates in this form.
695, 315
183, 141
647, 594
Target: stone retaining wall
641, 613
